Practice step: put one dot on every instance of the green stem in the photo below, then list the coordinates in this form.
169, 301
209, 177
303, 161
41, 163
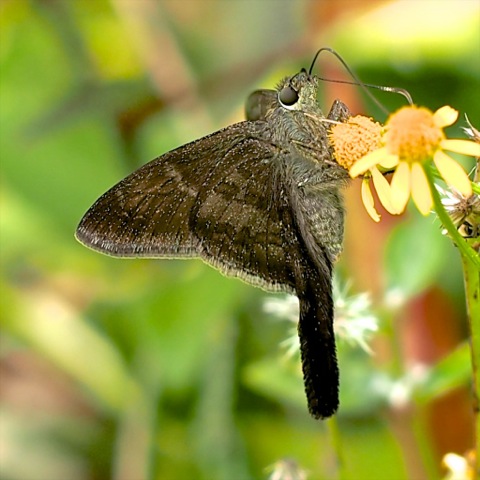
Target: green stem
464, 248
336, 437
472, 290
471, 269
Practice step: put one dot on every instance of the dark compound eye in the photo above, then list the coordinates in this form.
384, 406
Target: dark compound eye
466, 230
288, 96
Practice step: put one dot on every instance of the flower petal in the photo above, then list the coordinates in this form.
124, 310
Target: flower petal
400, 187
389, 161
453, 173
367, 199
445, 116
466, 147
383, 190
367, 162
421, 194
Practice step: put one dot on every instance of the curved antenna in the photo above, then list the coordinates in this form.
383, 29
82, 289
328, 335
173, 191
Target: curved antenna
315, 59
358, 82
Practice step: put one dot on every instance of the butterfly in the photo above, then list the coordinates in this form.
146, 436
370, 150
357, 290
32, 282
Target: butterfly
259, 200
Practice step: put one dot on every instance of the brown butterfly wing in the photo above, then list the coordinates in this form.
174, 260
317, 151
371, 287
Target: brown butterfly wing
219, 198
225, 198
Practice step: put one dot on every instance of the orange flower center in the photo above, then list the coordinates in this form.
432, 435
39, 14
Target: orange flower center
413, 135
354, 139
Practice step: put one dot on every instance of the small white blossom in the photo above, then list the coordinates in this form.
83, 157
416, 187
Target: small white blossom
287, 469
354, 322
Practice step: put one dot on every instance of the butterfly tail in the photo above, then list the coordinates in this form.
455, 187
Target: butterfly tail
318, 351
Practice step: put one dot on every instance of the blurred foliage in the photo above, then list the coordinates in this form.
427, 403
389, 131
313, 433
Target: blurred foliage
165, 369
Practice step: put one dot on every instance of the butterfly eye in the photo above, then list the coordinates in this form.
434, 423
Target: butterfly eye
466, 230
288, 96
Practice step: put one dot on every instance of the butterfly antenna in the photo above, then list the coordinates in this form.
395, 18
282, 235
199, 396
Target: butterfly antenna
358, 82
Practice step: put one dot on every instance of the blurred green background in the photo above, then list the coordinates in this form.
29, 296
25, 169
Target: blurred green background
142, 369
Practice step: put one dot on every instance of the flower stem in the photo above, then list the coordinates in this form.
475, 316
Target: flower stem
333, 427
471, 271
472, 290
465, 250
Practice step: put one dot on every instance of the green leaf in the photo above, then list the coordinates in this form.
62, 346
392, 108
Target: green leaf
451, 372
414, 256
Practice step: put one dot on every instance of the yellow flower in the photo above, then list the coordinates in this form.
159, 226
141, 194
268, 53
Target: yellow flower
353, 140
414, 136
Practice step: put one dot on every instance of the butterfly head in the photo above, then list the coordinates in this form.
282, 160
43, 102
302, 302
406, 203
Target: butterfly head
298, 92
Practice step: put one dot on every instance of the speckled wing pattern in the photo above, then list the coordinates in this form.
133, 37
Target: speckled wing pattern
223, 205
228, 199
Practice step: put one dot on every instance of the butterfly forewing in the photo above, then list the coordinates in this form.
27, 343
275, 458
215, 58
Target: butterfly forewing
219, 204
